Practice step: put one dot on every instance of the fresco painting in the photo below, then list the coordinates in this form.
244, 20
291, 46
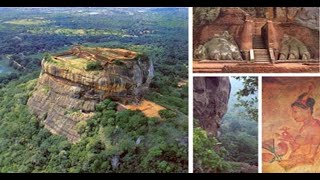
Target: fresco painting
291, 126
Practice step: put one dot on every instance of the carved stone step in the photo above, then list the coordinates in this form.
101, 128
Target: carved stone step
261, 50
258, 42
262, 60
261, 55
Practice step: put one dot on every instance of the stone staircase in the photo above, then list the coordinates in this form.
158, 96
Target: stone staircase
261, 53
260, 49
261, 56
258, 42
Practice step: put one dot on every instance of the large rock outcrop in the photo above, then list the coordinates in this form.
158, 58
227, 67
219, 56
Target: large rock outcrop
220, 47
292, 48
210, 101
67, 90
222, 19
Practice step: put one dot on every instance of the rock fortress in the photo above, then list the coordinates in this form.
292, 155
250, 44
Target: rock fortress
72, 83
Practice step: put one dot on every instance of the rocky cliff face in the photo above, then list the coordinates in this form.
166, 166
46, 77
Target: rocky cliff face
67, 91
210, 101
305, 16
213, 20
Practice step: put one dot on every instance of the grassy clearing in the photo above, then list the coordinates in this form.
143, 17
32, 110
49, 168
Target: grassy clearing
72, 62
28, 22
75, 32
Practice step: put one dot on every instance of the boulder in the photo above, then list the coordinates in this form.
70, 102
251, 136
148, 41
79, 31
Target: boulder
220, 47
293, 49
210, 101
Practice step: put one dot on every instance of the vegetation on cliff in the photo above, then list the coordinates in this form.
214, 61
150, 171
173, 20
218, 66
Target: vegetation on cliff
207, 153
91, 66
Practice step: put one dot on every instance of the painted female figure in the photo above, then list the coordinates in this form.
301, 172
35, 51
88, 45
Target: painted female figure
304, 144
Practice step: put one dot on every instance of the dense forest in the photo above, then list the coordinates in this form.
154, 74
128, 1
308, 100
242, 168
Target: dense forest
236, 147
111, 141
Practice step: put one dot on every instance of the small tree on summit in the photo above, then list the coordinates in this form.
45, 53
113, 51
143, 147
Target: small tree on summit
48, 57
92, 66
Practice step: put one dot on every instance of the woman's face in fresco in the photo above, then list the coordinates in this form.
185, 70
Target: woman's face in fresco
299, 114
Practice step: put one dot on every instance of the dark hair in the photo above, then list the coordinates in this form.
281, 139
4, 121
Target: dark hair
309, 102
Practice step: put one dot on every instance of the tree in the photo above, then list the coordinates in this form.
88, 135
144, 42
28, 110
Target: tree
245, 96
235, 126
48, 57
92, 66
208, 156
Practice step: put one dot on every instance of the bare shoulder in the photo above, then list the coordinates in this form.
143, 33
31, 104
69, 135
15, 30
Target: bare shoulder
316, 125
313, 128
317, 122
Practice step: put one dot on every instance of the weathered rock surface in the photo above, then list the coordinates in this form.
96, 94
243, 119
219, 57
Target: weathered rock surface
309, 37
220, 47
305, 16
292, 48
308, 17
210, 99
228, 19
205, 15
67, 93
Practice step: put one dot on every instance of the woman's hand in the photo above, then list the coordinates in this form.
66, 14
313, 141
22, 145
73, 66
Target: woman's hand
287, 164
295, 161
286, 136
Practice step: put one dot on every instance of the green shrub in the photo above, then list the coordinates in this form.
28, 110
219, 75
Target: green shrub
167, 114
93, 66
103, 105
112, 105
206, 158
142, 57
48, 57
81, 127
